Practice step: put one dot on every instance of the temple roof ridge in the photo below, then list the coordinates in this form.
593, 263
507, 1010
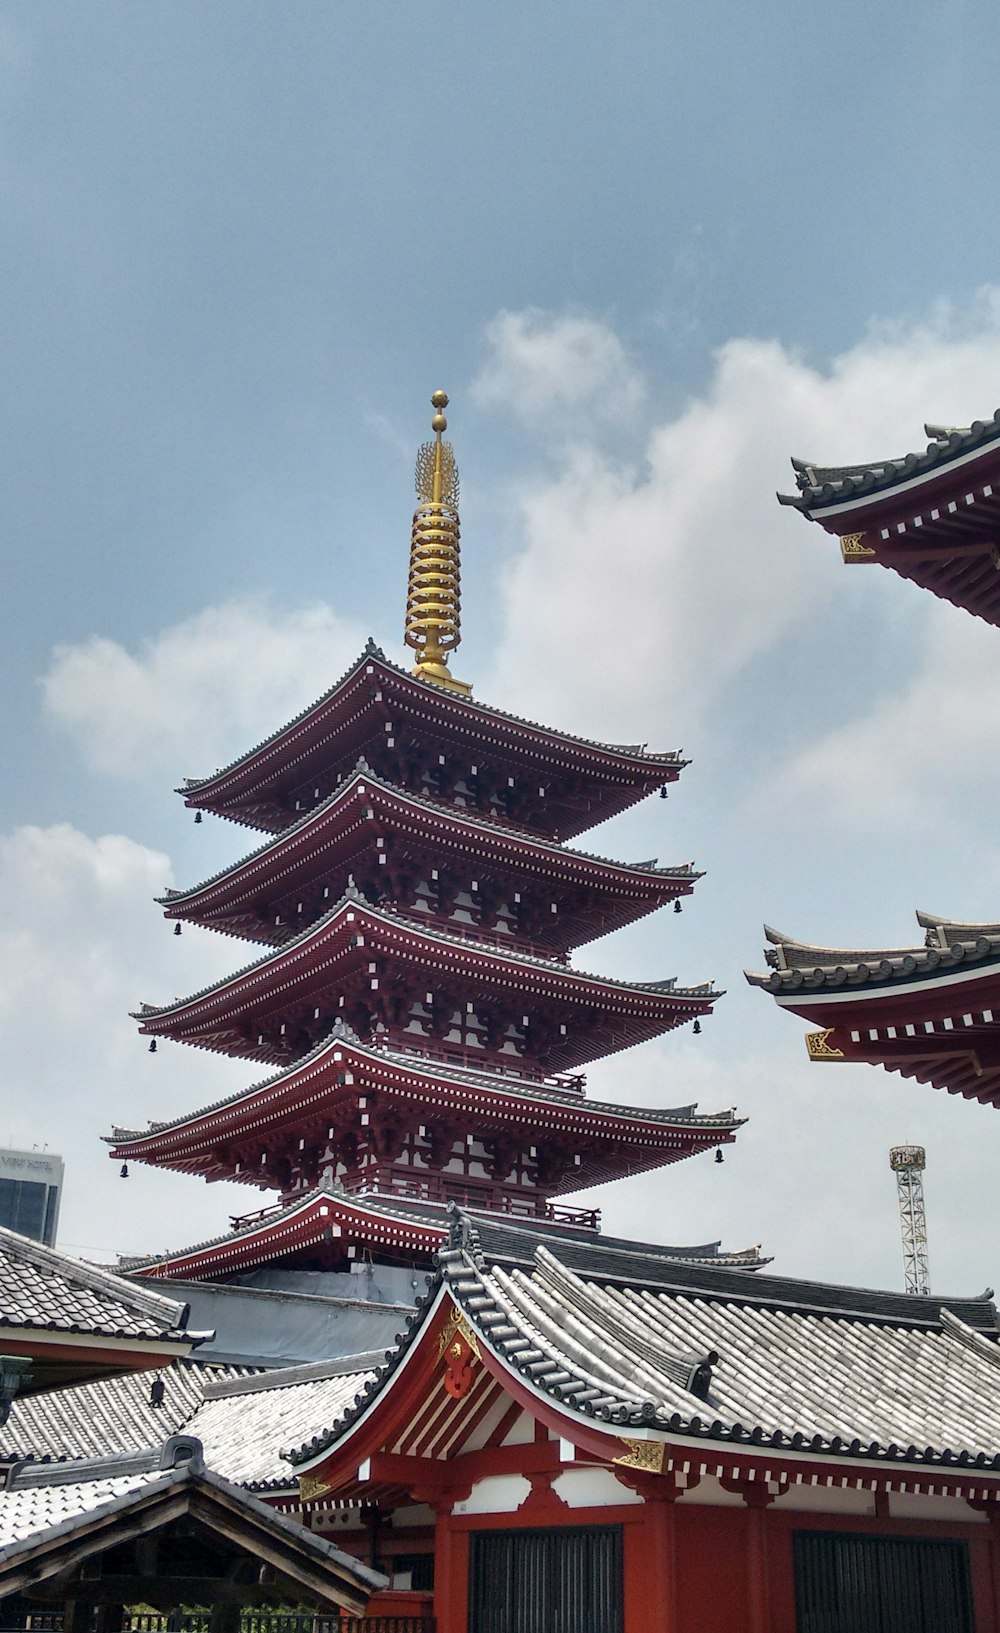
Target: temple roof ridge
821, 485
352, 897
372, 652
948, 943
509, 830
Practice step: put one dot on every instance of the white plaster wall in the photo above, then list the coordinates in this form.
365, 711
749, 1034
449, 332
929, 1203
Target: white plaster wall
827, 1500
497, 1494
906, 1505
592, 1488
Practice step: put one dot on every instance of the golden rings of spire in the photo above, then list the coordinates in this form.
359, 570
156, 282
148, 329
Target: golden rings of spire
433, 596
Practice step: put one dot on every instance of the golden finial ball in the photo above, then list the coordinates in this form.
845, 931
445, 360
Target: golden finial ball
439, 423
440, 399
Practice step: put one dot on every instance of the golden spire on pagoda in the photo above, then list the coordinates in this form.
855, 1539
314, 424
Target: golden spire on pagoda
433, 596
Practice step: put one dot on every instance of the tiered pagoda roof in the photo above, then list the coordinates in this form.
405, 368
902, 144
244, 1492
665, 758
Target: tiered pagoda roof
363, 958
932, 516
409, 729
388, 840
930, 1012
419, 908
300, 1109
329, 1228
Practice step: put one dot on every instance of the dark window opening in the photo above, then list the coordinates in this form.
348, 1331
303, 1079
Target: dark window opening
553, 1581
864, 1584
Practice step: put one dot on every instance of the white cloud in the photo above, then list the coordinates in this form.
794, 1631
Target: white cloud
640, 592
919, 753
554, 370
230, 674
77, 930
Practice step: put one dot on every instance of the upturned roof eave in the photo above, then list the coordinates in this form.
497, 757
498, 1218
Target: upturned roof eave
353, 901
669, 761
341, 1038
822, 488
453, 816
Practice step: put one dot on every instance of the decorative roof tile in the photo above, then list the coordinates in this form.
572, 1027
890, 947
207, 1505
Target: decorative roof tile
46, 1290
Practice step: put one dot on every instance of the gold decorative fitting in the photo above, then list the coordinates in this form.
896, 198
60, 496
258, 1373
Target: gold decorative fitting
852, 549
642, 1454
433, 596
457, 1326
818, 1048
312, 1487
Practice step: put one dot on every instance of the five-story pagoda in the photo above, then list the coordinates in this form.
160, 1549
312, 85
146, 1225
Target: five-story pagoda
415, 1002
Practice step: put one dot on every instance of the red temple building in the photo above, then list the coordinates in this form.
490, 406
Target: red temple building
412, 912
933, 517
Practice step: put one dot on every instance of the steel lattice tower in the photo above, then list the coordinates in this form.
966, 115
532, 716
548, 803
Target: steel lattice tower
908, 1163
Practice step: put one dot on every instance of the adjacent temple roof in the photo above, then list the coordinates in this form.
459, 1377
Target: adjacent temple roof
930, 1012
241, 1416
414, 1232
931, 516
54, 1519
77, 1321
704, 1360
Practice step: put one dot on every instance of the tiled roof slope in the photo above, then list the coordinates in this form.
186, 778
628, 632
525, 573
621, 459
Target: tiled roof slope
110, 1415
41, 1288
794, 1365
65, 1512
949, 947
242, 1418
244, 1429
821, 485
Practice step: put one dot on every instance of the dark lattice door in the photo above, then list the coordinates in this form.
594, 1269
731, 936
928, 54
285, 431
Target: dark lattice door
865, 1584
559, 1581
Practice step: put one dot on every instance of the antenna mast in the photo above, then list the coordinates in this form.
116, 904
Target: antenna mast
908, 1163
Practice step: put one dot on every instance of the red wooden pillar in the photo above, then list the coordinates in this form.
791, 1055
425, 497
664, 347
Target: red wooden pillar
651, 1555
758, 1499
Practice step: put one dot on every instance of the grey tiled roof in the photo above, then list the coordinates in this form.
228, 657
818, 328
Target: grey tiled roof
353, 898
47, 1507
245, 1429
795, 1366
44, 1289
821, 485
633, 751
949, 946
488, 1082
111, 1415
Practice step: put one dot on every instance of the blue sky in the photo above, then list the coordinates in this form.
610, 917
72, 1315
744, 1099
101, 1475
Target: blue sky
650, 251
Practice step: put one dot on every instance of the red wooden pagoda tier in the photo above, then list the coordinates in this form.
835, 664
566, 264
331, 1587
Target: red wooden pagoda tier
423, 989
424, 737
345, 1113
930, 1012
329, 1229
934, 517
480, 876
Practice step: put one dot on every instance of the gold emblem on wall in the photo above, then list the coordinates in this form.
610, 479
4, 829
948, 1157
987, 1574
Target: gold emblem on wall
642, 1454
818, 1047
852, 549
312, 1487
